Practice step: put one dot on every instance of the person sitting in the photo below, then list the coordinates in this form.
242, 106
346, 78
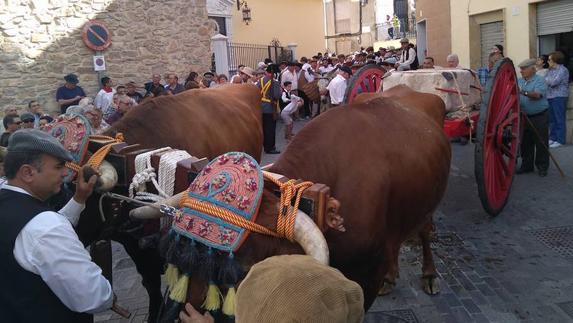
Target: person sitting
292, 288
27, 120
154, 88
132, 93
35, 108
173, 87
124, 104
45, 119
428, 63
95, 117
293, 103
407, 57
533, 102
453, 61
11, 124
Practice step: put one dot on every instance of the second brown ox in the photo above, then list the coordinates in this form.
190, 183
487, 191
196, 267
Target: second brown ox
386, 160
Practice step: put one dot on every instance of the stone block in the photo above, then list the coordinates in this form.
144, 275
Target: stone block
44, 18
40, 38
75, 22
10, 32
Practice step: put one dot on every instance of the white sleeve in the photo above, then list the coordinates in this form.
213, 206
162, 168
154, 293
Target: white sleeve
285, 98
411, 57
49, 247
98, 100
72, 211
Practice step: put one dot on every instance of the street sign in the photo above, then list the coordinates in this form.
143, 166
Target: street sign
96, 35
99, 63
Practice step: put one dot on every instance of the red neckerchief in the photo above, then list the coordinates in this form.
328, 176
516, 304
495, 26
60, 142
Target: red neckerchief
108, 89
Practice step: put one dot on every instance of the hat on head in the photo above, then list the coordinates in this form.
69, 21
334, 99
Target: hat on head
261, 65
528, 63
404, 40
259, 71
346, 69
297, 288
27, 117
71, 78
37, 141
208, 73
247, 70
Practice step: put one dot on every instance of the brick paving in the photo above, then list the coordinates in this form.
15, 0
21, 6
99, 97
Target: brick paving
515, 267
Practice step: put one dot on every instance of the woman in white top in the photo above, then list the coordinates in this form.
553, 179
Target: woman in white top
542, 65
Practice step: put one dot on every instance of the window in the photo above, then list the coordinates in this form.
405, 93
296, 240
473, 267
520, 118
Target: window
562, 42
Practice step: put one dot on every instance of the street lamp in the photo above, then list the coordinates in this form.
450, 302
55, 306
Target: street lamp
246, 11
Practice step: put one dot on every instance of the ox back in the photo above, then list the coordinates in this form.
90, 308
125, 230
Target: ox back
387, 163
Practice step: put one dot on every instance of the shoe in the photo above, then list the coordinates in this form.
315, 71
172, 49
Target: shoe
555, 144
542, 172
522, 170
273, 152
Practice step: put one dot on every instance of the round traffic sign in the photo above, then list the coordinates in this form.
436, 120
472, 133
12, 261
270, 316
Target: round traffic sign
96, 35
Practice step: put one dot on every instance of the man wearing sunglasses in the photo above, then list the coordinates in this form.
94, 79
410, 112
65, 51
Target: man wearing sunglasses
11, 124
35, 109
28, 120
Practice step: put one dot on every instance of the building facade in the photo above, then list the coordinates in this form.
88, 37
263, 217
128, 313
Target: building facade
526, 29
41, 42
433, 24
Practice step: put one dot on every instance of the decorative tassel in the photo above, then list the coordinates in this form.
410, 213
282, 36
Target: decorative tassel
213, 299
230, 272
229, 303
171, 275
179, 291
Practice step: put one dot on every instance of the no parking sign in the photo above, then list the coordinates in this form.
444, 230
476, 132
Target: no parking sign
96, 35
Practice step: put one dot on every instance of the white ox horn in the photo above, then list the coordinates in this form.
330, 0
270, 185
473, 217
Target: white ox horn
108, 176
310, 238
306, 232
152, 212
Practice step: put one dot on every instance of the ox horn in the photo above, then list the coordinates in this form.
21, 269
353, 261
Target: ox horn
108, 177
310, 238
152, 212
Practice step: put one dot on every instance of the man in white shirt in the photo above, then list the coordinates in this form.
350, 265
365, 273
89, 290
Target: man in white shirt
337, 87
289, 74
46, 274
408, 56
104, 98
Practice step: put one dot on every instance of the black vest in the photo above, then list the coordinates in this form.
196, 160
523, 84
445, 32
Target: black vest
24, 296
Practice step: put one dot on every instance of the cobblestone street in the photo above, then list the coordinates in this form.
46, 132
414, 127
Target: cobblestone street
515, 267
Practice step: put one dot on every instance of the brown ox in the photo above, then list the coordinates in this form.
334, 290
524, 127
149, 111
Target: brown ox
205, 123
387, 160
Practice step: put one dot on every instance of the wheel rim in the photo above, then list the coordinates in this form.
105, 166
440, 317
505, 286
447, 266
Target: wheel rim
499, 138
367, 79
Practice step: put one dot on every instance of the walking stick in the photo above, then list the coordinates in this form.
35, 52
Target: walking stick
544, 146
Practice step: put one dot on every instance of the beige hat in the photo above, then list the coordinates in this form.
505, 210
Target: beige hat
404, 40
528, 63
247, 70
297, 288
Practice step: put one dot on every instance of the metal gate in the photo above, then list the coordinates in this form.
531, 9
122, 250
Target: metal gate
251, 54
491, 34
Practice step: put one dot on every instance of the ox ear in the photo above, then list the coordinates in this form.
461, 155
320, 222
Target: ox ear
333, 219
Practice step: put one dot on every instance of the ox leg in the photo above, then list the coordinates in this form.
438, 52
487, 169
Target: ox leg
430, 282
149, 265
392, 251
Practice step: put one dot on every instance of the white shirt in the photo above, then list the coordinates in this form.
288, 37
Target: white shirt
49, 247
411, 57
324, 70
337, 88
104, 102
309, 74
292, 77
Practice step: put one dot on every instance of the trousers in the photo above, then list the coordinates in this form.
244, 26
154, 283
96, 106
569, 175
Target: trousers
269, 130
533, 150
557, 108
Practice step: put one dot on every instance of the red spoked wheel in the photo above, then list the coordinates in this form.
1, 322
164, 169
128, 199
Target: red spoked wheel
498, 137
367, 79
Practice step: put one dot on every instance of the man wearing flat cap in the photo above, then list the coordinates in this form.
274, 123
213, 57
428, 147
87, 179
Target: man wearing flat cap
534, 105
270, 95
46, 274
407, 57
337, 87
70, 93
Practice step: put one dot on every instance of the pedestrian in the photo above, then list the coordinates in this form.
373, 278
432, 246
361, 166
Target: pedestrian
428, 63
293, 103
104, 98
407, 58
497, 49
270, 94
27, 120
533, 102
337, 87
292, 288
11, 124
557, 81
154, 88
46, 270
45, 119
222, 79
542, 65
70, 93
132, 92
35, 109
453, 61
173, 87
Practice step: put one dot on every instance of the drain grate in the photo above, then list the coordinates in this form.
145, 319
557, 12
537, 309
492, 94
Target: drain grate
394, 316
447, 239
567, 307
559, 239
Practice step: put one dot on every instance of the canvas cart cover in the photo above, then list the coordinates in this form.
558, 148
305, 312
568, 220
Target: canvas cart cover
441, 82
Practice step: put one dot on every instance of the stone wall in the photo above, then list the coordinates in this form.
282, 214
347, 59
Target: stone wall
40, 42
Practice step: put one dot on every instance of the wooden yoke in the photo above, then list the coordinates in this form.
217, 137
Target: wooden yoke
313, 201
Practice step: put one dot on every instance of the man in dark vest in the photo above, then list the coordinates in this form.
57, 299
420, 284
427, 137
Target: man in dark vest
46, 275
270, 95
